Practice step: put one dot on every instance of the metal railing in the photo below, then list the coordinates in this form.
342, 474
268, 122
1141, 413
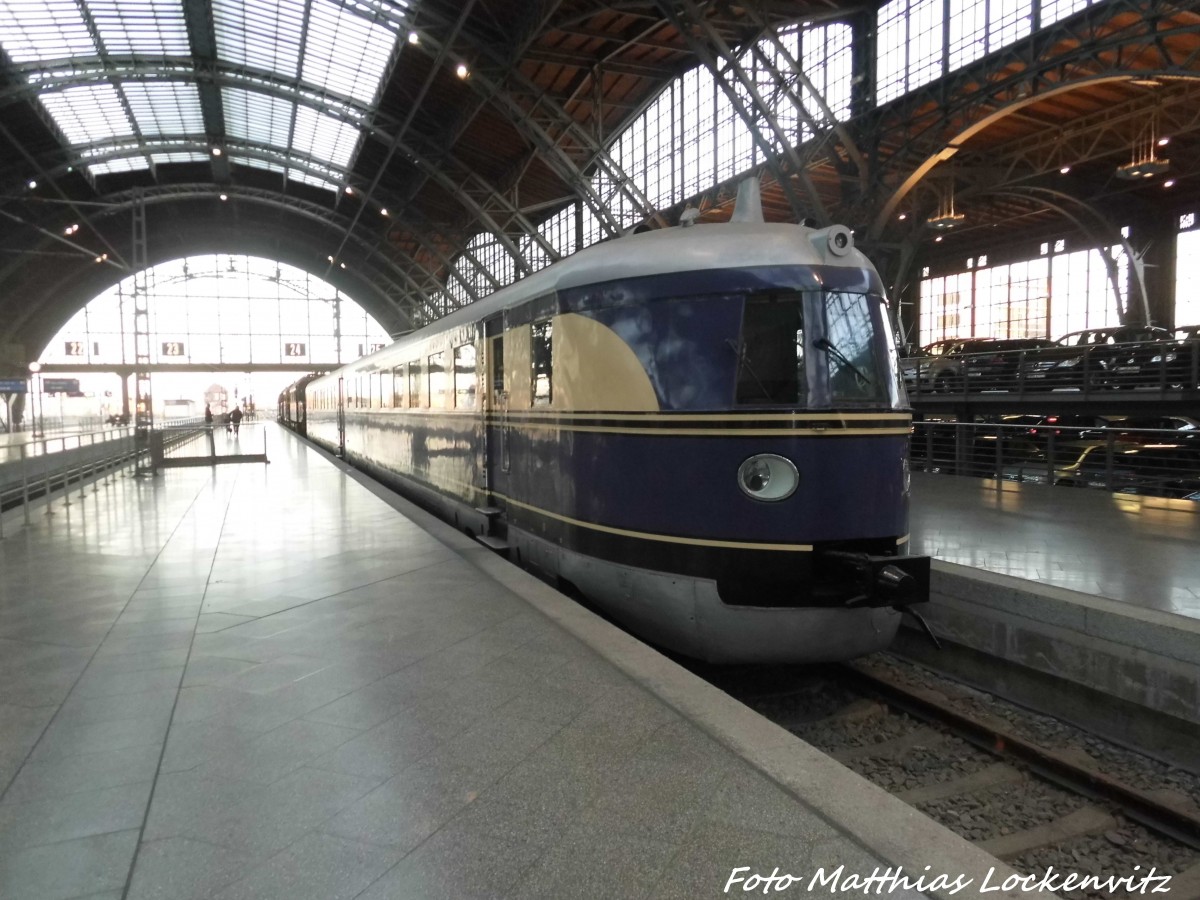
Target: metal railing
42, 468
38, 469
1149, 462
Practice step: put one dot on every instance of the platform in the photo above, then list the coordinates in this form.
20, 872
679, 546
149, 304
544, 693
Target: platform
279, 681
1144, 551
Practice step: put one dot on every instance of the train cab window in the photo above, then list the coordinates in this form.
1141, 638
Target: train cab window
437, 380
771, 352
541, 346
465, 387
849, 346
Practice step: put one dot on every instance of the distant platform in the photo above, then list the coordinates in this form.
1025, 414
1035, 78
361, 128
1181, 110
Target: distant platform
1144, 551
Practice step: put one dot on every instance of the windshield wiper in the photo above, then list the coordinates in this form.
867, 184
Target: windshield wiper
823, 344
739, 351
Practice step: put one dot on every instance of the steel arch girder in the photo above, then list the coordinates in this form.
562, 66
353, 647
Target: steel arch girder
694, 19
951, 124
311, 211
527, 118
390, 291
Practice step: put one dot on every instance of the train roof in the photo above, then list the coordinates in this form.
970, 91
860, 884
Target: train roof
698, 248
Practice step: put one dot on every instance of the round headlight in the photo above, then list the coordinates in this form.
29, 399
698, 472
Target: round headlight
768, 476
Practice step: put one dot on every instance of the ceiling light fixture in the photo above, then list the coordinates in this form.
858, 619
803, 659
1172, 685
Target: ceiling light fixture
1064, 170
1170, 182
414, 38
945, 217
902, 216
216, 151
462, 71
383, 212
224, 197
32, 185
1145, 164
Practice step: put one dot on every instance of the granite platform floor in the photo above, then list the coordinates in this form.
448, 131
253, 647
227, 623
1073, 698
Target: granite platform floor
1140, 550
264, 681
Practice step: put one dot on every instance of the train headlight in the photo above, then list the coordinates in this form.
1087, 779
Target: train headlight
768, 476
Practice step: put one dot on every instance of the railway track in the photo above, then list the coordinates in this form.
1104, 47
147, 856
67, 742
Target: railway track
1038, 794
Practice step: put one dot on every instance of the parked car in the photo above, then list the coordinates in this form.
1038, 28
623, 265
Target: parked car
1183, 370
1097, 357
975, 364
914, 366
1156, 429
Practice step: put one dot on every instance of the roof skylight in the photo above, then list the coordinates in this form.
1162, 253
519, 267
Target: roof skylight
332, 53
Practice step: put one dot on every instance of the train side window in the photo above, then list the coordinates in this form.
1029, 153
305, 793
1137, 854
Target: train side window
543, 357
397, 387
771, 351
497, 345
414, 384
376, 391
437, 380
465, 387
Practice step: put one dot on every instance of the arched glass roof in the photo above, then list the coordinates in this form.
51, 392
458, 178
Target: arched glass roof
143, 106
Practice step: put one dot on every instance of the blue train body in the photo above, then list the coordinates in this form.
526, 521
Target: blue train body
702, 429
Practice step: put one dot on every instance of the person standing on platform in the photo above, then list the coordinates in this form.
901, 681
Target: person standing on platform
208, 424
235, 419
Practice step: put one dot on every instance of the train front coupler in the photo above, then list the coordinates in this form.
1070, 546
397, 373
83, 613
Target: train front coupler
896, 581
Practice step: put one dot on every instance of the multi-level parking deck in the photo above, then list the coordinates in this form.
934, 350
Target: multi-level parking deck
280, 680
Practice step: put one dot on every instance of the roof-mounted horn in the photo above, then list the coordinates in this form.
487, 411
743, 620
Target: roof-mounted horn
748, 207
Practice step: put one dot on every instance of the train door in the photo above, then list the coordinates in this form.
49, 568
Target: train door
341, 418
496, 412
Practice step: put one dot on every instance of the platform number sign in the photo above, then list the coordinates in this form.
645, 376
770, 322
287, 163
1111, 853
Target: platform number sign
294, 349
172, 348
75, 348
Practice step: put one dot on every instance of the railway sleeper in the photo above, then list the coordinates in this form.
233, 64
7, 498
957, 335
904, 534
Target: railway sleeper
995, 775
896, 748
1080, 823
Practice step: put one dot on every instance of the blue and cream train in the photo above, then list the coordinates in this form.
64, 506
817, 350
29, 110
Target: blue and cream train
701, 428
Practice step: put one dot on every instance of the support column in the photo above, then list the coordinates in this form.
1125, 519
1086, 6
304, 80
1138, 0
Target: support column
144, 410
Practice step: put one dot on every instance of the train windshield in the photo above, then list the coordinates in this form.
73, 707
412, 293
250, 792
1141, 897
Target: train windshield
813, 349
850, 345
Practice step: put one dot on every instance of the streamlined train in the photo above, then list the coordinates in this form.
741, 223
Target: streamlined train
702, 429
